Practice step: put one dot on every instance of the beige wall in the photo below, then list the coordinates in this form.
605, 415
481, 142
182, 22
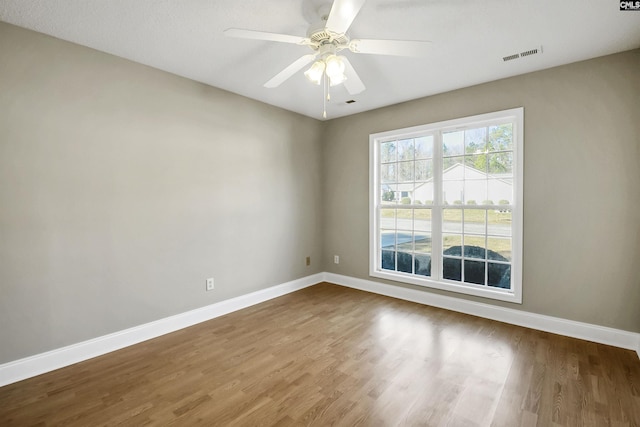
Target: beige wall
122, 188
581, 184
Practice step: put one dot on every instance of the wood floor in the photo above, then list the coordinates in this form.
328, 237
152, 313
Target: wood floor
329, 355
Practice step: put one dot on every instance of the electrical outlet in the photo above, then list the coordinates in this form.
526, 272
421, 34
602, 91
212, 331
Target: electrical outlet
210, 284
308, 260
336, 259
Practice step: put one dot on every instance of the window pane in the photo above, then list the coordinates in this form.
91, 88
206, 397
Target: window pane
474, 247
474, 272
453, 143
475, 191
388, 194
501, 137
452, 220
405, 172
422, 264
422, 243
388, 239
388, 152
452, 244
388, 218
422, 220
501, 163
500, 191
388, 260
405, 262
499, 275
405, 241
404, 193
499, 223
452, 269
405, 149
423, 193
475, 140
453, 192
474, 221
388, 173
404, 219
424, 170
476, 163
424, 147
499, 248
452, 168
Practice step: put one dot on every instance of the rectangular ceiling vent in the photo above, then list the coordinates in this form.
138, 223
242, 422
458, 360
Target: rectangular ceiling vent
529, 52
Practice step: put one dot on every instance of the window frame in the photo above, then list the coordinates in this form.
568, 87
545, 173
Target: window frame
514, 295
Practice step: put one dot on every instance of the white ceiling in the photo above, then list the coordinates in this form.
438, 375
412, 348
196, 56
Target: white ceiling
469, 39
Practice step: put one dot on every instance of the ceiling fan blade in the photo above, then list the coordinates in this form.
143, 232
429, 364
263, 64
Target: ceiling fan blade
283, 75
342, 14
262, 35
353, 84
389, 47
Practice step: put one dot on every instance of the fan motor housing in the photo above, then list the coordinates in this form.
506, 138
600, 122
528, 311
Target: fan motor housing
320, 35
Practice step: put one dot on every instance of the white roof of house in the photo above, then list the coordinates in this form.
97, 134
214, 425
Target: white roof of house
461, 171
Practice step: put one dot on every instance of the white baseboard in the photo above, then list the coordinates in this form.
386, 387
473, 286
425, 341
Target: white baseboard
556, 325
45, 362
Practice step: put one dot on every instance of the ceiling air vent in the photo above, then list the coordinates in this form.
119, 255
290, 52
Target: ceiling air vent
529, 52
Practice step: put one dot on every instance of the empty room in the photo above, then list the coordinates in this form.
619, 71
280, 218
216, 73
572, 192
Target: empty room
320, 212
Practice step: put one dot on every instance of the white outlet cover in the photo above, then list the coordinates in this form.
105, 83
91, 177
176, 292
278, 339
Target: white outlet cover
210, 284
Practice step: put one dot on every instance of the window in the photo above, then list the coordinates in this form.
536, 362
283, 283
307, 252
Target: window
446, 205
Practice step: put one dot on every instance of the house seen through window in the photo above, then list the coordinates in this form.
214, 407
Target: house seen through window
446, 205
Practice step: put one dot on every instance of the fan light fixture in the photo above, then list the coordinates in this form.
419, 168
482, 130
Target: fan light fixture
329, 69
335, 69
332, 65
314, 74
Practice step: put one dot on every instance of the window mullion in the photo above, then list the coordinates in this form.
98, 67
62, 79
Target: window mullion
486, 247
436, 213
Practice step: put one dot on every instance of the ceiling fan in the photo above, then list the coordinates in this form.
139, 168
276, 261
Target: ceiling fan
326, 39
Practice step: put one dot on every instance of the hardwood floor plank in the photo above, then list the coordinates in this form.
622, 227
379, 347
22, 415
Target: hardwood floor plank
328, 355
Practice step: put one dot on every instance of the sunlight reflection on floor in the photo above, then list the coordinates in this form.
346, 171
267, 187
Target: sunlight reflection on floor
416, 349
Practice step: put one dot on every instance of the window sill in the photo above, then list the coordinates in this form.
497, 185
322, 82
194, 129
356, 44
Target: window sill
462, 288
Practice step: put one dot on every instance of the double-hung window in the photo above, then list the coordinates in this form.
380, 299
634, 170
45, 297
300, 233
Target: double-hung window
446, 205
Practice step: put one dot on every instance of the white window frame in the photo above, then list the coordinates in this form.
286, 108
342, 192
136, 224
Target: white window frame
514, 295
